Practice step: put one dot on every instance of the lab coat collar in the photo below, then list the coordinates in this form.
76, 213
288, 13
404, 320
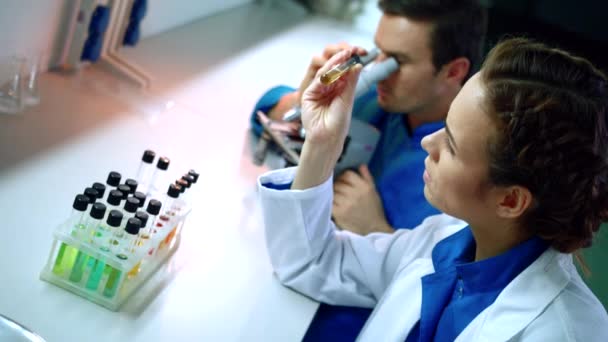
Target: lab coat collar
522, 300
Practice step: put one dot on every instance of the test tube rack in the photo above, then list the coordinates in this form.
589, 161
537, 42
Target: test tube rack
107, 279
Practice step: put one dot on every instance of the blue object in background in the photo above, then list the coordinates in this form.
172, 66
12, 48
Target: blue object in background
97, 28
138, 12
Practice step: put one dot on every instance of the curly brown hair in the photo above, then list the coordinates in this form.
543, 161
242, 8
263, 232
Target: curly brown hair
551, 111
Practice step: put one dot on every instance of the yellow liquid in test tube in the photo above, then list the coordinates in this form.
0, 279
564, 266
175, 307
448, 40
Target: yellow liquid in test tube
336, 72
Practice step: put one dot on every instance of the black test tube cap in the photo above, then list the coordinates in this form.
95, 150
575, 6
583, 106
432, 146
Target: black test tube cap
194, 174
131, 204
188, 179
148, 156
98, 211
174, 191
115, 197
132, 184
154, 207
101, 189
163, 163
143, 217
113, 178
133, 225
92, 194
125, 190
80, 202
182, 184
141, 197
114, 218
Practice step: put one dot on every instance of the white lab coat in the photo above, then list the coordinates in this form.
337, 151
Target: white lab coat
548, 301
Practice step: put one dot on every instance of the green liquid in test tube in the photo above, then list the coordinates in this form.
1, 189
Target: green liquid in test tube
67, 254
131, 230
78, 268
99, 268
97, 213
112, 283
96, 273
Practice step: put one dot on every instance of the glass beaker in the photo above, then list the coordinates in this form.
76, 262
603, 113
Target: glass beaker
31, 93
11, 84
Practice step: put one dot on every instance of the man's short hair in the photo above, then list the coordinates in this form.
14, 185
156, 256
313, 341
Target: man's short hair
459, 27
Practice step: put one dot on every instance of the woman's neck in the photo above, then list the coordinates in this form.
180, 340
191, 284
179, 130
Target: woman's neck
496, 239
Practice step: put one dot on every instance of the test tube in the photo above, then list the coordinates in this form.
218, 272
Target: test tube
110, 275
137, 243
128, 242
190, 180
183, 185
336, 72
129, 210
96, 214
144, 218
173, 192
114, 221
145, 169
161, 168
97, 268
67, 254
153, 210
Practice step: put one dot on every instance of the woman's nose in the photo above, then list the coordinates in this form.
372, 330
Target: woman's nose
429, 145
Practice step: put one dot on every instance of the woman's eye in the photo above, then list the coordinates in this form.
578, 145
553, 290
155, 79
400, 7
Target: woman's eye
448, 144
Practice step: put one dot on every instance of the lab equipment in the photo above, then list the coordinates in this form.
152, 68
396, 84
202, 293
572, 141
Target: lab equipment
107, 257
145, 168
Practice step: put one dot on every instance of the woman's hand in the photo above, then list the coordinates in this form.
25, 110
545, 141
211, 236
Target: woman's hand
326, 112
318, 61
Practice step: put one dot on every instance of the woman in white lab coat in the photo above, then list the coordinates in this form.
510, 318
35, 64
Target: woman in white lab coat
521, 173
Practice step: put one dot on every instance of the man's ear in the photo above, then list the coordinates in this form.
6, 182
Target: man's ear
456, 70
513, 201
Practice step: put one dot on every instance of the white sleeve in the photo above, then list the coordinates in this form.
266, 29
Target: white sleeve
337, 267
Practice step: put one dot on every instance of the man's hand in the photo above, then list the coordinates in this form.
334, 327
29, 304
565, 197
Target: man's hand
357, 206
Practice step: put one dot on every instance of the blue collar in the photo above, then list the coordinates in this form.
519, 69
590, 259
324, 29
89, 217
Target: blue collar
426, 129
458, 250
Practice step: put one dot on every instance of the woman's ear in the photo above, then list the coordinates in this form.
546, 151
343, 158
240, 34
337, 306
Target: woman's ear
513, 201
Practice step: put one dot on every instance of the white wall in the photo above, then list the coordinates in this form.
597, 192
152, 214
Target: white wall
28, 25
35, 25
165, 14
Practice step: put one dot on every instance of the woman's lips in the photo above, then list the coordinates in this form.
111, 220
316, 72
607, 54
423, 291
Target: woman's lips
426, 176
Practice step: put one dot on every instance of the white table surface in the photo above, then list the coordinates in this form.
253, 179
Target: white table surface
219, 286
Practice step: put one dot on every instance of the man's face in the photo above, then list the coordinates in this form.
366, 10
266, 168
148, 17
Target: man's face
416, 84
